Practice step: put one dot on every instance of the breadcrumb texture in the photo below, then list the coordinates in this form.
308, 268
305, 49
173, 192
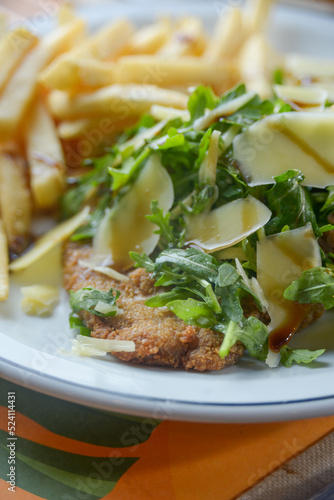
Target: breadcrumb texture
161, 338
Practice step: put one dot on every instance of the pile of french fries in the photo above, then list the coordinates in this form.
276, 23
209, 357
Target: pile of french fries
65, 96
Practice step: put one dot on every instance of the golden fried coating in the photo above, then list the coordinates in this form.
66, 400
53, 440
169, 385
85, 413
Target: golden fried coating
161, 338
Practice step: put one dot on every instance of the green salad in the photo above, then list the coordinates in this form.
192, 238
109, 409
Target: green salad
228, 205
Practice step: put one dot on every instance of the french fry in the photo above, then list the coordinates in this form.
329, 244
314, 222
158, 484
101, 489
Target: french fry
45, 158
3, 24
120, 101
149, 39
110, 39
21, 88
256, 14
79, 71
66, 71
184, 71
13, 47
256, 63
188, 39
4, 273
15, 202
228, 36
93, 129
66, 13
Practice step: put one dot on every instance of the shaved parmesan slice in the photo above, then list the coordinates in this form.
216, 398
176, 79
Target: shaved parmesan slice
79, 349
49, 240
39, 300
89, 346
227, 225
167, 113
108, 271
230, 135
104, 308
287, 141
305, 67
242, 273
253, 285
306, 98
224, 109
107, 345
281, 259
208, 168
257, 290
273, 359
125, 227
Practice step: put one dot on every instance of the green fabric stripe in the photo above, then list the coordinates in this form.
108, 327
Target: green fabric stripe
110, 469
78, 422
29, 479
93, 484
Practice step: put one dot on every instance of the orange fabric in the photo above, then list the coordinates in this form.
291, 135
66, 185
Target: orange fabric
221, 461
214, 460
18, 495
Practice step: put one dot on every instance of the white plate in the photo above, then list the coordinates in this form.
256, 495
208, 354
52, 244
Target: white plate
248, 392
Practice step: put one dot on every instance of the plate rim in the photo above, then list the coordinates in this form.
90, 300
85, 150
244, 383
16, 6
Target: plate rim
173, 409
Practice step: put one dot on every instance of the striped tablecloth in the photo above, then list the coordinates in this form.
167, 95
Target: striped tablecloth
64, 451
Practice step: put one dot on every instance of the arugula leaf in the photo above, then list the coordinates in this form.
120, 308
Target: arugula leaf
251, 332
315, 286
278, 76
250, 251
168, 237
327, 227
194, 273
202, 199
193, 312
230, 303
252, 111
121, 176
142, 261
235, 92
209, 296
228, 288
95, 217
231, 185
87, 186
290, 203
227, 275
77, 324
231, 288
145, 122
202, 98
191, 261
86, 299
174, 139
328, 206
288, 355
163, 299
203, 147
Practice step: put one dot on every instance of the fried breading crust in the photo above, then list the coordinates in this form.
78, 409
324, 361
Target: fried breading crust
161, 338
